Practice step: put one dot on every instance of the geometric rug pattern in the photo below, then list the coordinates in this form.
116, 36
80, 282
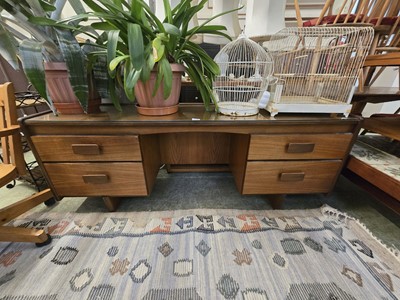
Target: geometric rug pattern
200, 254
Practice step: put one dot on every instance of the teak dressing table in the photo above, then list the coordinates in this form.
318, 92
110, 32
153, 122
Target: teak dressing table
118, 154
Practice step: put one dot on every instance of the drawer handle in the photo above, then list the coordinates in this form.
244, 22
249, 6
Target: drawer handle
300, 147
86, 149
290, 177
95, 178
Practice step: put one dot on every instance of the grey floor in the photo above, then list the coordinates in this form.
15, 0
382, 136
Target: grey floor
217, 190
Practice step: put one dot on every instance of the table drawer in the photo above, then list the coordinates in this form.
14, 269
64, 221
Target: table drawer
301, 146
297, 177
87, 148
97, 179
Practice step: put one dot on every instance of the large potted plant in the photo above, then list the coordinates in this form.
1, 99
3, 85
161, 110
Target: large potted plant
52, 59
148, 55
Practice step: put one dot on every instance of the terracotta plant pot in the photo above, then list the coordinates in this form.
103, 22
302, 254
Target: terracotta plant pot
62, 94
17, 77
157, 105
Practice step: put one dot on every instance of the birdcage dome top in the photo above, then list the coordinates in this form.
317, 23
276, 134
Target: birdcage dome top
243, 50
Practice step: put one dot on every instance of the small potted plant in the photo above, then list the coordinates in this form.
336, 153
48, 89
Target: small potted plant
149, 55
49, 56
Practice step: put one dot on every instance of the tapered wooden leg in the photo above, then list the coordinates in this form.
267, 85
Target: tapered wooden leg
111, 203
276, 201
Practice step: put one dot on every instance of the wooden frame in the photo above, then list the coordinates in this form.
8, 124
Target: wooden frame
12, 166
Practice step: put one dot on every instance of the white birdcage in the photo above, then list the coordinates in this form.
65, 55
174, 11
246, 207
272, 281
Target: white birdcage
246, 68
317, 68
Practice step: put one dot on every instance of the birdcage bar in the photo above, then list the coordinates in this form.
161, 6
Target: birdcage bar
245, 69
317, 68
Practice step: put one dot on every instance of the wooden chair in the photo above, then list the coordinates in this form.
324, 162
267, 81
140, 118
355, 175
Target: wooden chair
374, 12
11, 167
382, 15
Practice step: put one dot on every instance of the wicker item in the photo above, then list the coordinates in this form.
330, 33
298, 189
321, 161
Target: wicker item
245, 73
317, 68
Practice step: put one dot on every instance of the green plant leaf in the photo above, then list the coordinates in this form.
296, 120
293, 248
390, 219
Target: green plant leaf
147, 68
113, 95
132, 78
136, 47
145, 21
185, 14
182, 13
171, 29
50, 22
74, 58
197, 28
167, 10
8, 50
166, 71
206, 61
158, 49
103, 26
207, 29
153, 18
77, 6
37, 7
46, 6
128, 88
32, 62
202, 83
136, 9
113, 37
116, 61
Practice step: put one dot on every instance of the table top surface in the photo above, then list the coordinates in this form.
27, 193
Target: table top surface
187, 114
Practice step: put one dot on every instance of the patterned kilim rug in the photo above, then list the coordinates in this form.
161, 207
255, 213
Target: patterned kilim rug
200, 254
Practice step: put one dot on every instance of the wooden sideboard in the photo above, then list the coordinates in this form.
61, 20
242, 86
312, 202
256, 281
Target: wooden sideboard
118, 154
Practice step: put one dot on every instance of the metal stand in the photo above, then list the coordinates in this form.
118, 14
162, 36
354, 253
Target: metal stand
29, 103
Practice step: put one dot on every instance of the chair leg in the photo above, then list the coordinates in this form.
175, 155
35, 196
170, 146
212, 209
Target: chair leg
18, 208
18, 234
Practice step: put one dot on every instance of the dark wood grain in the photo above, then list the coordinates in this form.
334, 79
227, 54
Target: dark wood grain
133, 147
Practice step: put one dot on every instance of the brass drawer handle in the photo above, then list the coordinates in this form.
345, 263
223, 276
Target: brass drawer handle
86, 149
95, 178
290, 177
300, 147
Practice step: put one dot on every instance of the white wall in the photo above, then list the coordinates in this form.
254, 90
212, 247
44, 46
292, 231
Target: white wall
389, 78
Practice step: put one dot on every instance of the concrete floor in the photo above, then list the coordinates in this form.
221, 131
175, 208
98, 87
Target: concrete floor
217, 190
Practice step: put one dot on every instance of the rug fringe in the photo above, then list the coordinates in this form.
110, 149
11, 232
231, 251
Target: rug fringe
344, 217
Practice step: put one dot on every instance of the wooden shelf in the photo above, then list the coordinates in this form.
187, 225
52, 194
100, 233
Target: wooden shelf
373, 95
377, 94
387, 126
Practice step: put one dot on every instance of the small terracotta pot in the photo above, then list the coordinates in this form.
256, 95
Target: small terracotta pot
62, 94
157, 105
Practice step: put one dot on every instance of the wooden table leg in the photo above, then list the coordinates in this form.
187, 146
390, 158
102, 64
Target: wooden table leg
358, 108
276, 201
111, 203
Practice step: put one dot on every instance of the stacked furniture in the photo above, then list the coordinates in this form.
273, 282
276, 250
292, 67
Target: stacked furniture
368, 165
374, 162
